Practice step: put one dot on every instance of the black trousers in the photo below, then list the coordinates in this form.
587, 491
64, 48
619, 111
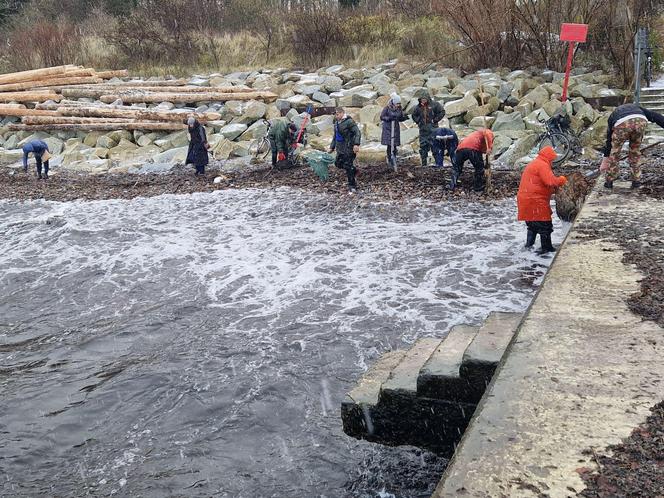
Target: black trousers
540, 227
391, 151
38, 160
476, 159
345, 161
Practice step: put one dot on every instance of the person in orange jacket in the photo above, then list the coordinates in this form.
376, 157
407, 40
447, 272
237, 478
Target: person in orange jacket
471, 149
538, 183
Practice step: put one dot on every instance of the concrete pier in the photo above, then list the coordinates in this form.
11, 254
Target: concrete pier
580, 374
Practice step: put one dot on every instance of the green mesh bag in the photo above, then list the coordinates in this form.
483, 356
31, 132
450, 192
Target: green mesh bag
320, 162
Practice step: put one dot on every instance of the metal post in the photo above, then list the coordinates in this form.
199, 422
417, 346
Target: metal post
639, 43
568, 69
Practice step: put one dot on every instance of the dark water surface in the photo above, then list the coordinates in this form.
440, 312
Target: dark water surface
201, 345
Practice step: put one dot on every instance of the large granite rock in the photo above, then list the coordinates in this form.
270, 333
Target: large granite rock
461, 106
513, 121
233, 130
370, 114
519, 149
10, 156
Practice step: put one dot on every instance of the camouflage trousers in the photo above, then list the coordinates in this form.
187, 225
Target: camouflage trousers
631, 130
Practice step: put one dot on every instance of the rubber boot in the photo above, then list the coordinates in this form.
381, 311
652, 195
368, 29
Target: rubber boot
478, 183
530, 238
425, 161
545, 239
453, 180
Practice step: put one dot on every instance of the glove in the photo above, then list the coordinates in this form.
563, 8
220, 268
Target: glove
564, 180
281, 156
605, 164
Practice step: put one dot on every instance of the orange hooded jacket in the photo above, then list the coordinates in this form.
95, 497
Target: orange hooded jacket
537, 186
480, 140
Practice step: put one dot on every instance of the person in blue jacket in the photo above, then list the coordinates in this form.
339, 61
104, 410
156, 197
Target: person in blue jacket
444, 139
40, 149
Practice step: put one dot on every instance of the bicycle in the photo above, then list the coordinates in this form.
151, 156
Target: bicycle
559, 137
260, 147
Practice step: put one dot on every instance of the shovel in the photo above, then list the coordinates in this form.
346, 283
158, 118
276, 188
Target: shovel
393, 155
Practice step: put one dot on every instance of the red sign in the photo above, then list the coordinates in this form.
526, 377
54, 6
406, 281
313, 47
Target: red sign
574, 32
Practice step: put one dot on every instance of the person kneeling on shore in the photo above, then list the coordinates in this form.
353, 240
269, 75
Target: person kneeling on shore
198, 146
471, 149
40, 149
346, 141
538, 183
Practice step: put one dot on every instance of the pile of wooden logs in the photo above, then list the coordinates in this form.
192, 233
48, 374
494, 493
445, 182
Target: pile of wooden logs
45, 100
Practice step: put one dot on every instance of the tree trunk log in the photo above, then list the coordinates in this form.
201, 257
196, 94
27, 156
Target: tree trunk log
32, 96
140, 114
130, 126
35, 74
141, 83
107, 75
52, 82
126, 88
134, 98
20, 112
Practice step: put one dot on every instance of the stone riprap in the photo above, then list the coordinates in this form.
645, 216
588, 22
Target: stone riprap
512, 103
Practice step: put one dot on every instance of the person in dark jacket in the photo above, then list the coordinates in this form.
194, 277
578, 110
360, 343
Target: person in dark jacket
391, 116
40, 150
198, 146
426, 115
346, 141
627, 122
281, 136
444, 139
472, 149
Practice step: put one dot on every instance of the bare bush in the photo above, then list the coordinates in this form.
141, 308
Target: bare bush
315, 34
46, 43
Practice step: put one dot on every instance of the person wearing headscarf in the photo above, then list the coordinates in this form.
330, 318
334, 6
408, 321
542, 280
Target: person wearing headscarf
538, 183
390, 117
198, 146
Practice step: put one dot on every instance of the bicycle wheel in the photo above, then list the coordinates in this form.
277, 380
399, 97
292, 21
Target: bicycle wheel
559, 143
259, 148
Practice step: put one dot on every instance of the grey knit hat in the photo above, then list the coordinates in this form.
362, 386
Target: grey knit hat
395, 99
191, 121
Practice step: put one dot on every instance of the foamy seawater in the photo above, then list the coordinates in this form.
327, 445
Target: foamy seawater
200, 345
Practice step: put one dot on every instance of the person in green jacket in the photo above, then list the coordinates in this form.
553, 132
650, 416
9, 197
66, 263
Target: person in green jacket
346, 141
281, 136
426, 115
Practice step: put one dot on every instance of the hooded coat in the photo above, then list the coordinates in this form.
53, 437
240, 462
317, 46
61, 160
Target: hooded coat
279, 135
197, 154
538, 184
391, 114
427, 116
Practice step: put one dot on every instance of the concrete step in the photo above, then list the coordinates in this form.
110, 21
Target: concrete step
656, 101
357, 405
486, 350
657, 108
403, 379
440, 376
